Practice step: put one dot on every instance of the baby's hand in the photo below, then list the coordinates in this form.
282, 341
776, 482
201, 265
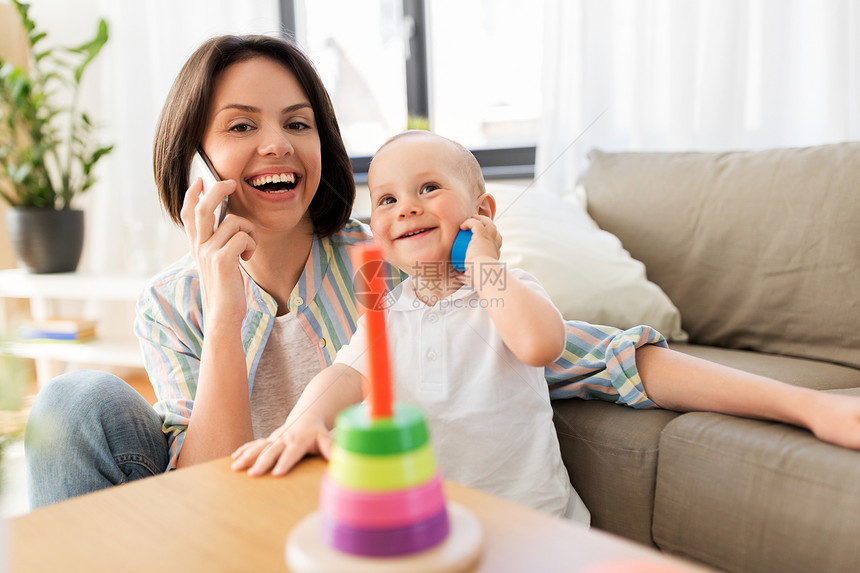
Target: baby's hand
485, 244
284, 447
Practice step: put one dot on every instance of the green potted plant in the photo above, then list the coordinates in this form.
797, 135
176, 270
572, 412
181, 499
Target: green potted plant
47, 149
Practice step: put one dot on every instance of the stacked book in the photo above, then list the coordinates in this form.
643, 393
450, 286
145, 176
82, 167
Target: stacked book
57, 330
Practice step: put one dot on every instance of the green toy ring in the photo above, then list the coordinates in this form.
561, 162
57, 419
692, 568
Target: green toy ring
404, 432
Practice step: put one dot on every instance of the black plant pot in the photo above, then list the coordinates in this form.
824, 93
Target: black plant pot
46, 240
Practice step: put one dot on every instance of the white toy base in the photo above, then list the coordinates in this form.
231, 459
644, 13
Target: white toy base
461, 550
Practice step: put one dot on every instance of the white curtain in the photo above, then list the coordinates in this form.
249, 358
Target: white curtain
127, 230
645, 75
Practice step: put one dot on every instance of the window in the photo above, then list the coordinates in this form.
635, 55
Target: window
484, 67
467, 69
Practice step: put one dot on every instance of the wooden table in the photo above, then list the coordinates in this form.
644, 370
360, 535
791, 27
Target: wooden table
210, 519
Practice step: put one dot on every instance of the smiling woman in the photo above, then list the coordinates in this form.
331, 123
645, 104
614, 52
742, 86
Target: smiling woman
277, 269
265, 116
217, 107
258, 134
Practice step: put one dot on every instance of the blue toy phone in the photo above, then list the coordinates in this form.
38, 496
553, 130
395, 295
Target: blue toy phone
202, 167
458, 251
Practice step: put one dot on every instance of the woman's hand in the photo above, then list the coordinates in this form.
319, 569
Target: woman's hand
283, 449
218, 252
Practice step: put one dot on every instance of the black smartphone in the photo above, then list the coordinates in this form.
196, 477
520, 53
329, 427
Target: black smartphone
202, 167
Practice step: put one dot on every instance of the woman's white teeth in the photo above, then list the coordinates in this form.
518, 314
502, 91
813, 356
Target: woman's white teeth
277, 178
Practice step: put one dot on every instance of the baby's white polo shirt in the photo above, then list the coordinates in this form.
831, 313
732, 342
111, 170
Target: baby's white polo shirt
489, 414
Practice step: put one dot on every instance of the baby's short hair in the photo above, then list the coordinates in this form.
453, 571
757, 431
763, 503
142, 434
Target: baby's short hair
468, 165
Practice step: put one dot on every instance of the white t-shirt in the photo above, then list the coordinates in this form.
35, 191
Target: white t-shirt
287, 364
489, 414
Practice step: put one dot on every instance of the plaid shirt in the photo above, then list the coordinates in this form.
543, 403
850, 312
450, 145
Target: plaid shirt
598, 361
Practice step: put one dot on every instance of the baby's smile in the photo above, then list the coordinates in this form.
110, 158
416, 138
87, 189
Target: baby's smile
416, 233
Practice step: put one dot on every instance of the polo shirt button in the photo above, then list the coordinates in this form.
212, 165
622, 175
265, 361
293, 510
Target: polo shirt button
431, 355
298, 301
322, 342
433, 318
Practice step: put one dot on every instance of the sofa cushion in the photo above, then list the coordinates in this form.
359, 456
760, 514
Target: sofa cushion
747, 495
757, 249
585, 270
813, 374
610, 452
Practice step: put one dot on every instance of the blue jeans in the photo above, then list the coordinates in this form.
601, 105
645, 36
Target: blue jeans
89, 430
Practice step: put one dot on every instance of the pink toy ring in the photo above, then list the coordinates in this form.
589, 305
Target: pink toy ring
386, 542
381, 510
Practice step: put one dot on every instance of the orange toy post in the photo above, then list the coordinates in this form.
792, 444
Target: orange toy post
379, 393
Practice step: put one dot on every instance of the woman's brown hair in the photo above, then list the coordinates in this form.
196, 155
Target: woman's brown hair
183, 121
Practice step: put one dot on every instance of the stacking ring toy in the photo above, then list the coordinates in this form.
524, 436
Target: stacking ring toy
382, 505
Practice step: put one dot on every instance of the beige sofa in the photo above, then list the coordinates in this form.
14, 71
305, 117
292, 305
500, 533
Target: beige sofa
760, 252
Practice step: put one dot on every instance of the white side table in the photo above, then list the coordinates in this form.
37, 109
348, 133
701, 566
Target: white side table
44, 292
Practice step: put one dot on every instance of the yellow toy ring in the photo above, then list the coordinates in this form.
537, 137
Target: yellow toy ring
381, 473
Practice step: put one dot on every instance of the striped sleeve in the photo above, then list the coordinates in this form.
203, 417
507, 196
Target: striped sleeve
171, 343
599, 362
335, 311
